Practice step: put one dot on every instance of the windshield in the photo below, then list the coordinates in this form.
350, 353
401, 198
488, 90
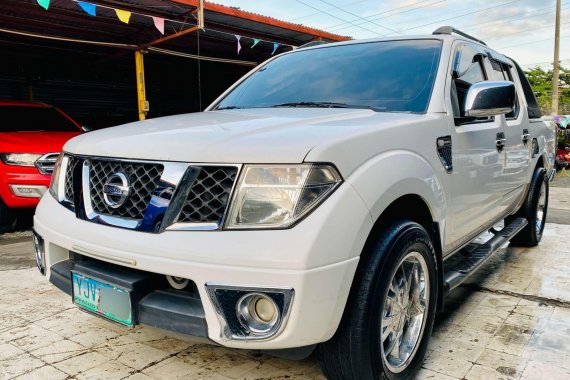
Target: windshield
388, 76
34, 119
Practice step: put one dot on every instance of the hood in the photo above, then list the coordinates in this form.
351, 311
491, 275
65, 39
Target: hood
34, 142
275, 135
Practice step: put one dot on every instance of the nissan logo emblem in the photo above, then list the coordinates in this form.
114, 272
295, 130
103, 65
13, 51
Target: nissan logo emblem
116, 190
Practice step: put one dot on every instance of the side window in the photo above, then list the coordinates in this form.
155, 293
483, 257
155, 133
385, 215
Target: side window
467, 69
512, 115
503, 72
499, 72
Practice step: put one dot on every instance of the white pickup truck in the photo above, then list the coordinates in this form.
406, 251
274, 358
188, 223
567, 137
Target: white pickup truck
328, 200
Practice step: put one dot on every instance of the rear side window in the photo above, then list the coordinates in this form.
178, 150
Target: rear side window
532, 105
34, 119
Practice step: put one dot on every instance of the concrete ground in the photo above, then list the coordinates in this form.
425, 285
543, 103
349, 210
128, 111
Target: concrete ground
510, 321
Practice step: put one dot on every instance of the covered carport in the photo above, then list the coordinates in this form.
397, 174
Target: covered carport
109, 62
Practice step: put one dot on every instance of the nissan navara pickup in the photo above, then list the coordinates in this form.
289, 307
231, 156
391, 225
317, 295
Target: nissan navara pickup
328, 201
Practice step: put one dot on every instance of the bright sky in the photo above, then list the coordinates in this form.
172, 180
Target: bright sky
521, 29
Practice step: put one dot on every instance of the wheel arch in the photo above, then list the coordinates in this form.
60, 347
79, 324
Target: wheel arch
415, 208
411, 207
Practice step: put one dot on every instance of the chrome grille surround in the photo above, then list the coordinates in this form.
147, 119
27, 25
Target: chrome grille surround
160, 191
68, 181
46, 163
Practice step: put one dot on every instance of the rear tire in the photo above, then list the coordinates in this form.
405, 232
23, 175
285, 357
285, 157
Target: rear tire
7, 218
534, 210
389, 317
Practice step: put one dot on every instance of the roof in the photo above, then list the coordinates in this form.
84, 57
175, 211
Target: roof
65, 19
216, 12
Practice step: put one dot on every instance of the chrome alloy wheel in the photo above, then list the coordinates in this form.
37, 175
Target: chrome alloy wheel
541, 208
405, 312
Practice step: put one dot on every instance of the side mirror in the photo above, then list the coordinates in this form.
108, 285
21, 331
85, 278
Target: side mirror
86, 128
487, 98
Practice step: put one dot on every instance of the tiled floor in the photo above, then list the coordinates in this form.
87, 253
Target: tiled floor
510, 321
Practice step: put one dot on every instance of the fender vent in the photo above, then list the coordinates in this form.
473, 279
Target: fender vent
443, 145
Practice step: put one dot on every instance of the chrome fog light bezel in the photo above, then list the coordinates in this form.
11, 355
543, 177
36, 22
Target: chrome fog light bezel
39, 249
249, 318
226, 298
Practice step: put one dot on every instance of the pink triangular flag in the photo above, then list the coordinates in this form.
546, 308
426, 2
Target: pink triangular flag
159, 23
238, 37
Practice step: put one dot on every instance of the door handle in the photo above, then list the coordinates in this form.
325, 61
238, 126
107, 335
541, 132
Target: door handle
500, 142
525, 136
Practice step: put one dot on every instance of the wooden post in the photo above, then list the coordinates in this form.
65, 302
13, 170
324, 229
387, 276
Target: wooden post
143, 106
201, 14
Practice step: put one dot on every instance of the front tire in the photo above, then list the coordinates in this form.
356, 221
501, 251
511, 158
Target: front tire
389, 317
534, 210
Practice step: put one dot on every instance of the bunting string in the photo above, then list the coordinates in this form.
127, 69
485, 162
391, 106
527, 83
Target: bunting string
159, 23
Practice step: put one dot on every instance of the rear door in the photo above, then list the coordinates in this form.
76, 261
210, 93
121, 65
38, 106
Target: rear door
477, 182
517, 137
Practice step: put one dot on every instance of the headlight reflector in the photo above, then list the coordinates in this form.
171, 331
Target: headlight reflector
20, 159
54, 184
277, 196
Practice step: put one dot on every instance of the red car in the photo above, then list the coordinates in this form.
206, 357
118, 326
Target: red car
563, 156
31, 137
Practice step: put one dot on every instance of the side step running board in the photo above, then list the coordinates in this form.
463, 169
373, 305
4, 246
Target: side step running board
462, 264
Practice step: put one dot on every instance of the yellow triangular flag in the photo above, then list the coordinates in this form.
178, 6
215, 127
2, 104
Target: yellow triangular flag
124, 16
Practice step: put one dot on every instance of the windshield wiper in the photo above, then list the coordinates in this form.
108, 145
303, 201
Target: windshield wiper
228, 108
324, 105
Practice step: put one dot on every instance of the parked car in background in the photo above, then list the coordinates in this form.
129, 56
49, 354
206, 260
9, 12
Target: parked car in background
562, 156
31, 137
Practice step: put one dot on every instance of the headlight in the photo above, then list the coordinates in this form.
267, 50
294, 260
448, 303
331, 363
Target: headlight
19, 159
277, 196
54, 185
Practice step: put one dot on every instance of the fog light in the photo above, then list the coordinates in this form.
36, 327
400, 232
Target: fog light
265, 309
257, 313
40, 252
250, 313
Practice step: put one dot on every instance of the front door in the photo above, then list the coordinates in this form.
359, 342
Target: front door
478, 163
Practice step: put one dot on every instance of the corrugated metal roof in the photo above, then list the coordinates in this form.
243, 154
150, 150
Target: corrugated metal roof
261, 22
65, 18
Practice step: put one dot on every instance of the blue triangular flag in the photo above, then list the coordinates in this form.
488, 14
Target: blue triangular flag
90, 9
275, 47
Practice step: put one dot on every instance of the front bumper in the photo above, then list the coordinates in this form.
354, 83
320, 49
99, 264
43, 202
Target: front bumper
22, 186
317, 259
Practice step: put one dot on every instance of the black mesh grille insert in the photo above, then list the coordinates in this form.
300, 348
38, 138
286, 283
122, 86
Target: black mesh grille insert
209, 195
144, 179
68, 186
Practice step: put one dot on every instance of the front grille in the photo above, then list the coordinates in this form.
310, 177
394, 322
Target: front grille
68, 187
144, 179
46, 163
209, 195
